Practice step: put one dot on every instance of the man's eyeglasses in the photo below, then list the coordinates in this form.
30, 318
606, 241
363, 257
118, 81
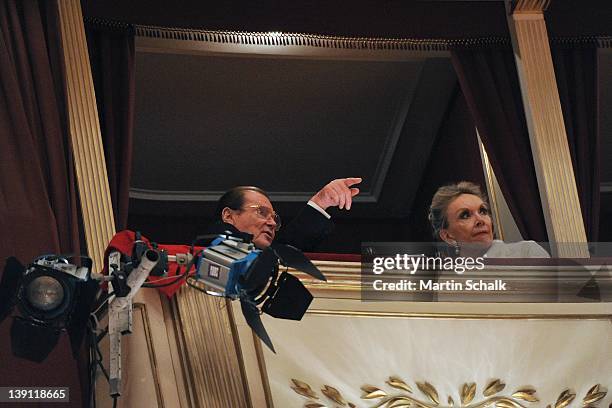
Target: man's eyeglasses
265, 213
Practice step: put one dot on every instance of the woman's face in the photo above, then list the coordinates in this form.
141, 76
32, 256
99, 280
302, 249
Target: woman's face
469, 221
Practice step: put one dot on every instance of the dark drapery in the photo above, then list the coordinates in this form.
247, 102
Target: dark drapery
38, 208
111, 53
454, 157
576, 73
38, 204
490, 83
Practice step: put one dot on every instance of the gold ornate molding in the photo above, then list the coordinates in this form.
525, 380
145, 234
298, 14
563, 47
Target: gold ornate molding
263, 371
84, 128
458, 316
290, 39
406, 398
547, 134
142, 307
530, 6
209, 350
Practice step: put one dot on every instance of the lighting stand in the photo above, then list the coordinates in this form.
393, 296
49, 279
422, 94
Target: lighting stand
120, 309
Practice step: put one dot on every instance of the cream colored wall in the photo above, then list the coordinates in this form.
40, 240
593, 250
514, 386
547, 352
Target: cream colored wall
348, 344
151, 365
349, 352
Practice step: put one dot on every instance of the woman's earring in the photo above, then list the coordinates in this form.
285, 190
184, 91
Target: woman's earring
457, 249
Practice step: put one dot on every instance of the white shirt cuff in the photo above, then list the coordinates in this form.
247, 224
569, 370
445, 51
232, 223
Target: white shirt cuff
319, 209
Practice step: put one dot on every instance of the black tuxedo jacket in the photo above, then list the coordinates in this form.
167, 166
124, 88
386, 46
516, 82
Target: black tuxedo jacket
306, 230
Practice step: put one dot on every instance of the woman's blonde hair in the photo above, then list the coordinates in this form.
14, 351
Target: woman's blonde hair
442, 199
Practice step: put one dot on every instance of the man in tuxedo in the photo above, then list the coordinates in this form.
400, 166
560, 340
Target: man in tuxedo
247, 209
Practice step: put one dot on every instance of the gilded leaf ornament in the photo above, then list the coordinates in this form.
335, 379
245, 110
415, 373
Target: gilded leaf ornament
593, 389
468, 392
565, 398
314, 405
429, 390
526, 394
507, 403
333, 394
330, 392
399, 404
493, 388
303, 389
398, 383
491, 392
372, 392
593, 395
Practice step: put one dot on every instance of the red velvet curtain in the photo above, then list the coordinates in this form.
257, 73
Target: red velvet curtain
38, 204
111, 53
576, 71
490, 83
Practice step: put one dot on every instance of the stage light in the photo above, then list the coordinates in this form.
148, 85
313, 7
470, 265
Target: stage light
52, 295
235, 269
45, 293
